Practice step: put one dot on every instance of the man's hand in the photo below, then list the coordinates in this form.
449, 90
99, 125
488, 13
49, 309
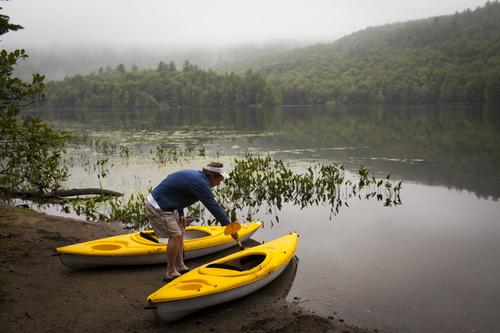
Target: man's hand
232, 228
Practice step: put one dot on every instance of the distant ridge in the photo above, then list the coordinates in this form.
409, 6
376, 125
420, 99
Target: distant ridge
445, 59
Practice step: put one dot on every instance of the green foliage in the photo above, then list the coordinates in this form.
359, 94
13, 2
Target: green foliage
161, 88
5, 26
259, 183
262, 182
31, 156
93, 208
132, 211
446, 59
175, 153
106, 208
30, 151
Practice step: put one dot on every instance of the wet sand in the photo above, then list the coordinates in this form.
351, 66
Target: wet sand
38, 293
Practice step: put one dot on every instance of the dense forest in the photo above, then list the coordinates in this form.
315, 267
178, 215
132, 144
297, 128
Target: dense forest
163, 87
446, 59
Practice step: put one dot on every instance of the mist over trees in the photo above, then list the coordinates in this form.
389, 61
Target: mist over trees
446, 59
58, 62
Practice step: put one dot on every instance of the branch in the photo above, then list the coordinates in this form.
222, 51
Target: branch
66, 193
82, 191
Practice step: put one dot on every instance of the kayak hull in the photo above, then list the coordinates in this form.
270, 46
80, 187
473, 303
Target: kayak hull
76, 261
202, 243
224, 279
171, 311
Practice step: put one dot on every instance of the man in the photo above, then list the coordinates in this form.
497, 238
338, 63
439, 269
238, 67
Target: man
165, 208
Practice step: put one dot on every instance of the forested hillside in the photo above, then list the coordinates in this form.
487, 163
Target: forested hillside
163, 87
446, 59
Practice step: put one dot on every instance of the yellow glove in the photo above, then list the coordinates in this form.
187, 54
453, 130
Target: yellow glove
232, 228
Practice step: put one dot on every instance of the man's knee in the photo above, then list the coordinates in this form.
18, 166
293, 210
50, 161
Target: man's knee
176, 236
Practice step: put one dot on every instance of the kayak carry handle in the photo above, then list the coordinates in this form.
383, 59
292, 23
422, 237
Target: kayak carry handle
150, 306
148, 237
191, 219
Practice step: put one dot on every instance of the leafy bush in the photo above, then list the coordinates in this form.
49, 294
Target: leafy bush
30, 151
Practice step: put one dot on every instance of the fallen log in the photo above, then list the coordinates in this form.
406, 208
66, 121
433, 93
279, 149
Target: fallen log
67, 193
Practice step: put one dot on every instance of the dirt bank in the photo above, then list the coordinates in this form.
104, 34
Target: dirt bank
39, 294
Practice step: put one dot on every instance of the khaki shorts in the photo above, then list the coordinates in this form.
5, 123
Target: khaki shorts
165, 224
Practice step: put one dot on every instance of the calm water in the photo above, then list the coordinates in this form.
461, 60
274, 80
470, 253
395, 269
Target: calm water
430, 265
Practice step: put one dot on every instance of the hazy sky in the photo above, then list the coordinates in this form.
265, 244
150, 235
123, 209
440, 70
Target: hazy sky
191, 23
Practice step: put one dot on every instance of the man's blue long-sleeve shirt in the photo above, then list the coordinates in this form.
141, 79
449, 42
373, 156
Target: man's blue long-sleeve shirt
185, 187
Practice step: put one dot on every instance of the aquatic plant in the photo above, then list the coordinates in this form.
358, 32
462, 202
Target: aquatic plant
174, 153
260, 183
132, 211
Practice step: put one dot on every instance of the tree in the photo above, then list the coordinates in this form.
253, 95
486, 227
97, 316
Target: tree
30, 151
120, 68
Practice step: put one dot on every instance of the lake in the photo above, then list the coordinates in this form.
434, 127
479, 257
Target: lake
429, 265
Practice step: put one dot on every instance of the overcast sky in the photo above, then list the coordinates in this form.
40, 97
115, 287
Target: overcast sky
193, 23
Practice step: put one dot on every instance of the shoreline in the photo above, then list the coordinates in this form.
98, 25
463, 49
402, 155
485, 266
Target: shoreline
38, 293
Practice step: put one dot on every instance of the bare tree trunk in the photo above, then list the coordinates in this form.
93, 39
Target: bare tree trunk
67, 193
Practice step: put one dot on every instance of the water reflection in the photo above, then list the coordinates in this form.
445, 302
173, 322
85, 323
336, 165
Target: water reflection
430, 265
454, 146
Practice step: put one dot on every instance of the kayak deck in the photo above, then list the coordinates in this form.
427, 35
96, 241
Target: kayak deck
223, 280
143, 248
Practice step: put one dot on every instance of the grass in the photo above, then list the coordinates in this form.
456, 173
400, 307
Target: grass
9, 244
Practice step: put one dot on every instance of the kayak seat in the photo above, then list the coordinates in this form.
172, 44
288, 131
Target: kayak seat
240, 264
195, 234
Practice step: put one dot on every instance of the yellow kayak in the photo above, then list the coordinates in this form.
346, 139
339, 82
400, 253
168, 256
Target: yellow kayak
142, 248
223, 280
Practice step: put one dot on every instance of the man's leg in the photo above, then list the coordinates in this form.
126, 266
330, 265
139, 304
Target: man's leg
173, 250
180, 266
160, 221
165, 224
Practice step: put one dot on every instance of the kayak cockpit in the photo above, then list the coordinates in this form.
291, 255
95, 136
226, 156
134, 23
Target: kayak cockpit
240, 264
195, 234
149, 237
237, 266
